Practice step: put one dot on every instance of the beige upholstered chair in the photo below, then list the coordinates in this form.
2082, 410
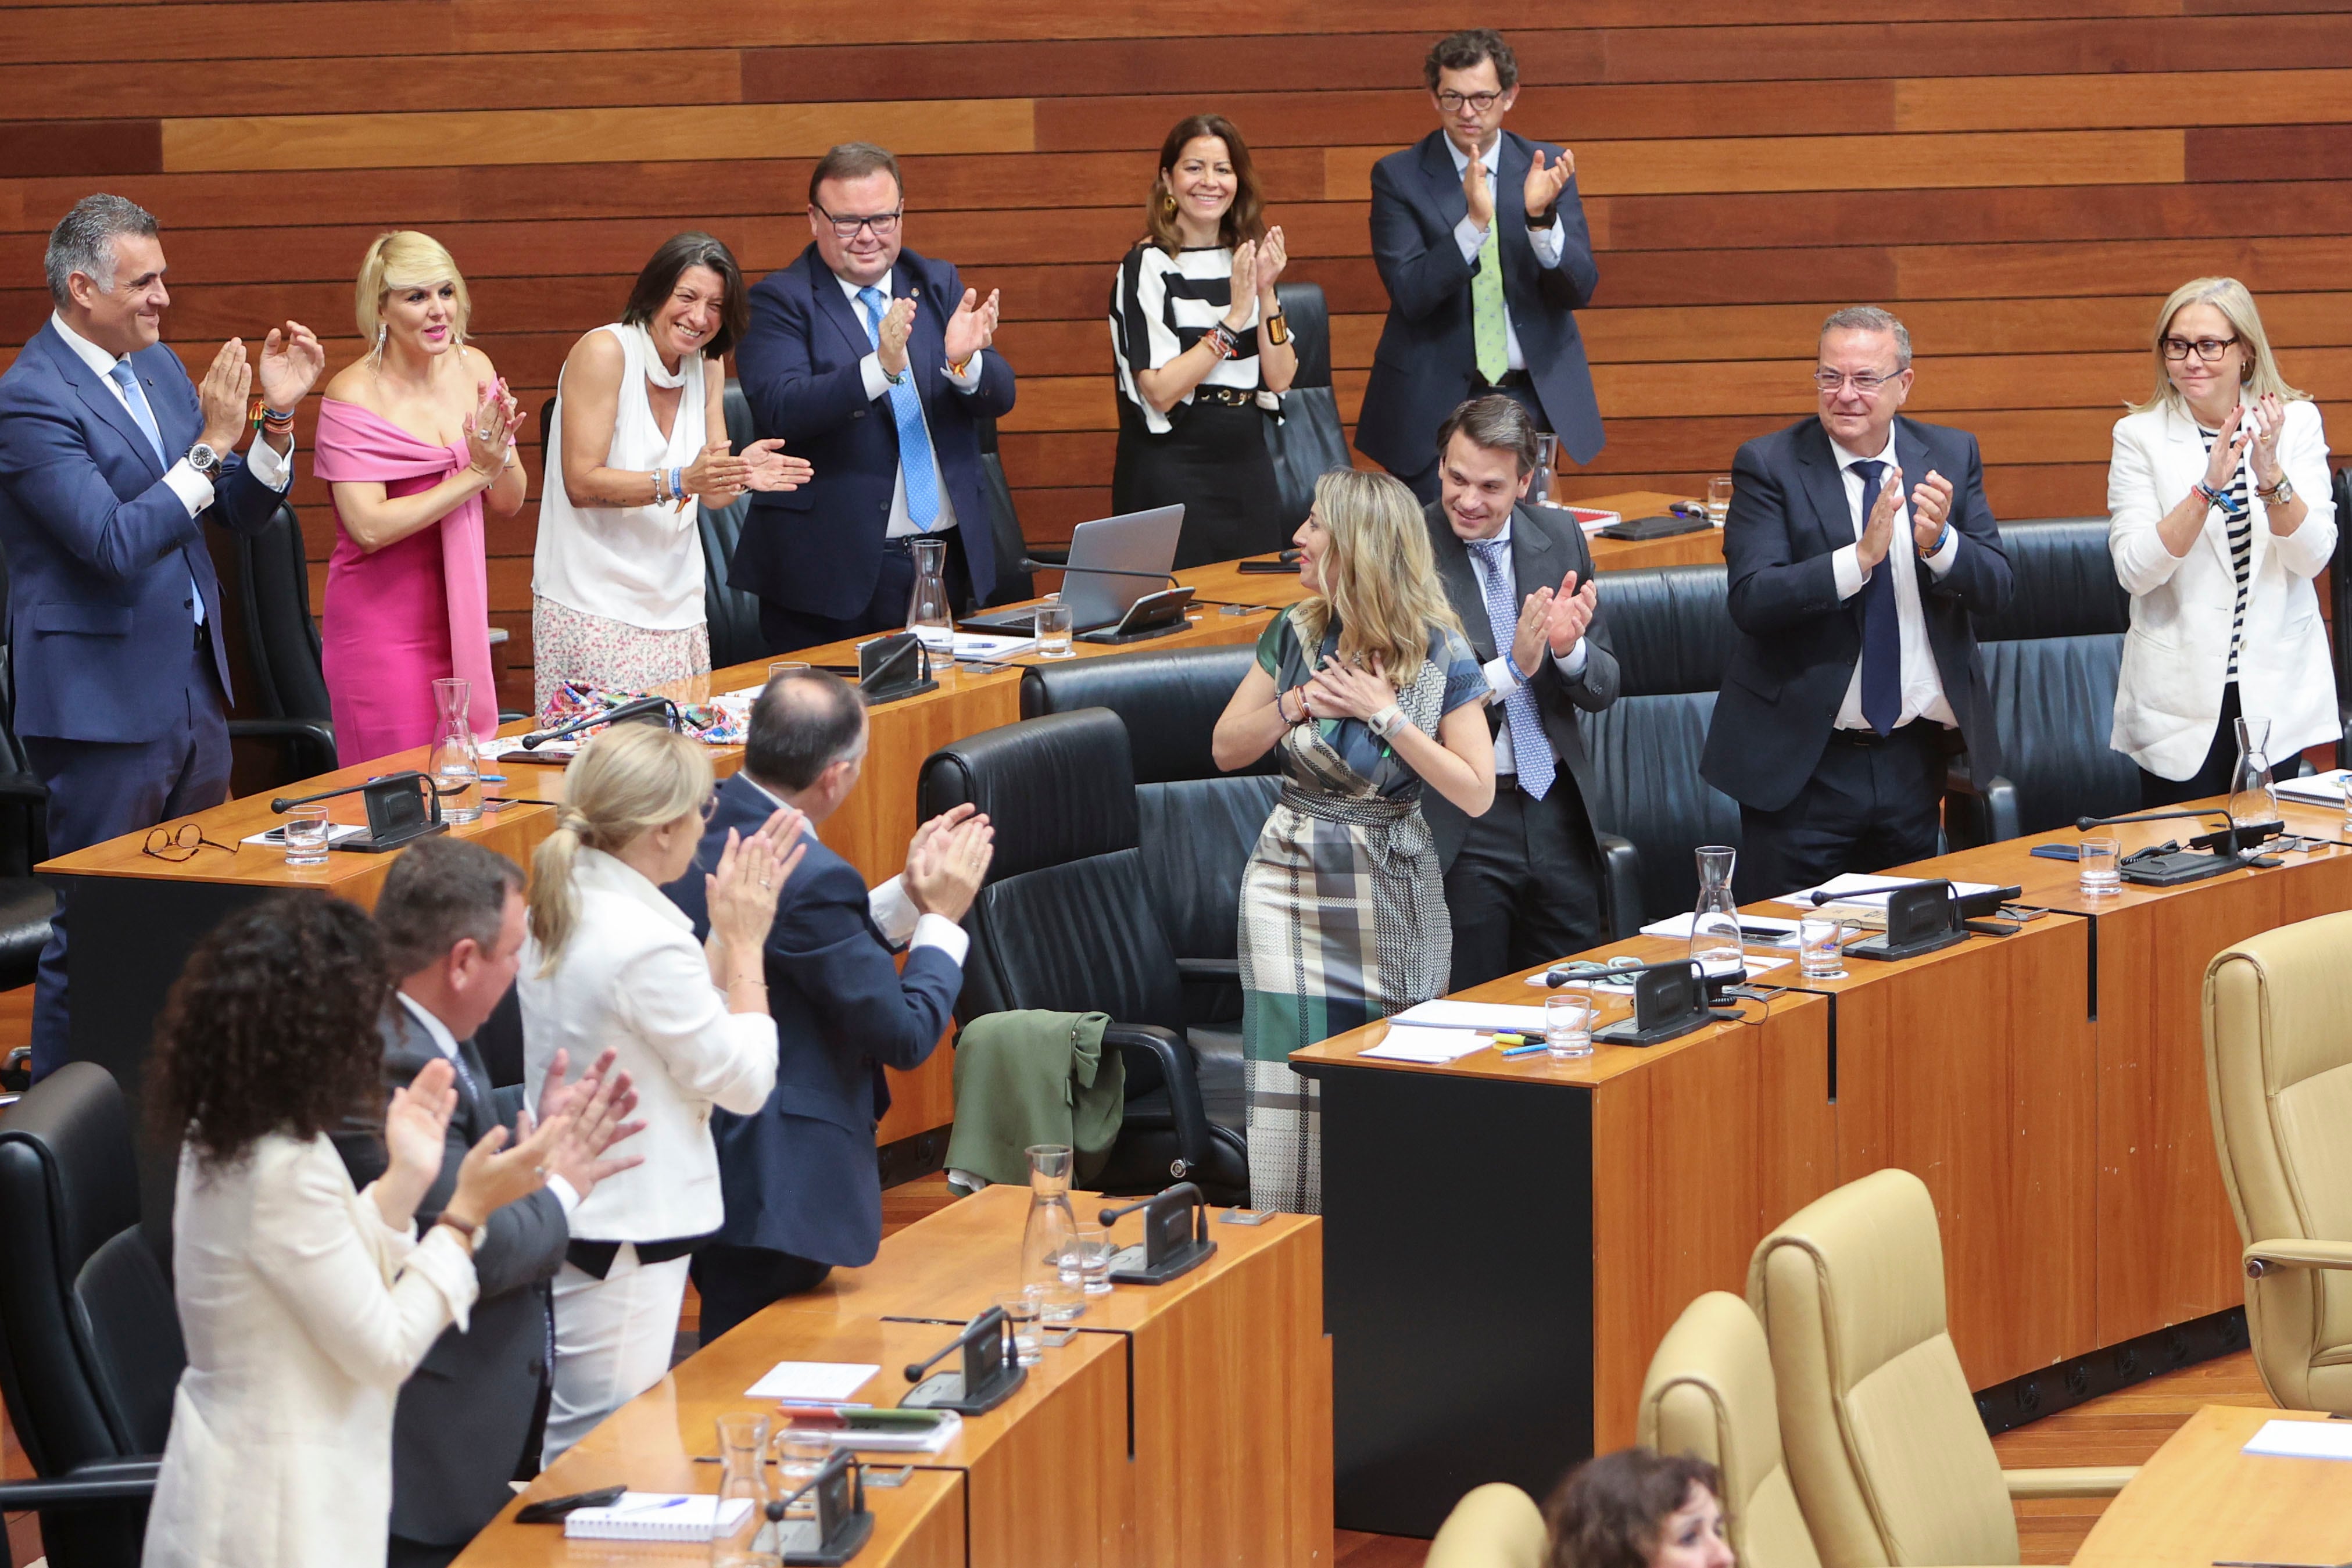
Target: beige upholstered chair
2278, 1074
1709, 1393
1884, 1443
1494, 1526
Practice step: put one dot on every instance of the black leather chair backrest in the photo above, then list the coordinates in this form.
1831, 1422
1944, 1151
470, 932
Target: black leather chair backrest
2054, 700
2066, 583
281, 638
1671, 631
1012, 584
733, 615
1311, 439
1169, 699
90, 1341
1064, 921
1309, 317
1671, 627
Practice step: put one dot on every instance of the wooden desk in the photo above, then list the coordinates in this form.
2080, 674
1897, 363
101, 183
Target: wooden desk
1229, 1367
1040, 1479
2202, 1500
1507, 1241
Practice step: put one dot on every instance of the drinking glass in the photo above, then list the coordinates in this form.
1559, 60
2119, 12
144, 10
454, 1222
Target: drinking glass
800, 1453
1061, 1301
306, 836
1021, 1307
1054, 631
1719, 498
1820, 947
1567, 1026
1095, 1247
786, 666
2099, 870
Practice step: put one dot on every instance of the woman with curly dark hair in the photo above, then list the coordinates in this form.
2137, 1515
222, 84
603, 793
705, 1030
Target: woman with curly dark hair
1639, 1509
304, 1304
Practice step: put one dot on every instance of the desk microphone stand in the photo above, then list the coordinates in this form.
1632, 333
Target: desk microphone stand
1175, 1237
991, 1374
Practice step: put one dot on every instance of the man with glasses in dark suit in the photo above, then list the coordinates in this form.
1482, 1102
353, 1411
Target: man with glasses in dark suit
1480, 239
874, 363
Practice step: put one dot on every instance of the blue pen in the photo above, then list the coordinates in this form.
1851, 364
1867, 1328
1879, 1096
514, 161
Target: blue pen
651, 1507
1525, 1050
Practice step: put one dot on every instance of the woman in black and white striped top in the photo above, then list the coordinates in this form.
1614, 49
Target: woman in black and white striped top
2219, 518
1197, 336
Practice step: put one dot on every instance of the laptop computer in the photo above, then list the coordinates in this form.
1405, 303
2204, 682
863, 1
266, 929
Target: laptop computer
1113, 562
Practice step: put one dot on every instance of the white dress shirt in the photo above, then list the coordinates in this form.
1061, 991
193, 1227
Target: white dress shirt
448, 1044
1500, 681
1470, 237
264, 461
1923, 687
902, 924
878, 381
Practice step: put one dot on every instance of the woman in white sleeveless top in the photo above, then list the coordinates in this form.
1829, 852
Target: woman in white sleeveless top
638, 437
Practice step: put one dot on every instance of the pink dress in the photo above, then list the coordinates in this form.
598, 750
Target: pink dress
398, 620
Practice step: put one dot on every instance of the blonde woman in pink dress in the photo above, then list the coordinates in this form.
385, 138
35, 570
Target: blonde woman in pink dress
416, 439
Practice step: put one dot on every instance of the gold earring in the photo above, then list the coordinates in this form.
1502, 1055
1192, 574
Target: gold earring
1167, 200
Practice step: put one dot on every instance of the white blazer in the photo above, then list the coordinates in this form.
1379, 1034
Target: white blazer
632, 977
2177, 653
304, 1313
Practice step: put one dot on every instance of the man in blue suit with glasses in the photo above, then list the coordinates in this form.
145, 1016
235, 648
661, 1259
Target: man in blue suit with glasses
111, 461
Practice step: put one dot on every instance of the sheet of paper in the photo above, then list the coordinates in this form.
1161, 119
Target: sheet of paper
812, 1382
2303, 1440
337, 833
1855, 887
2319, 789
1488, 1015
1770, 930
991, 644
1405, 1043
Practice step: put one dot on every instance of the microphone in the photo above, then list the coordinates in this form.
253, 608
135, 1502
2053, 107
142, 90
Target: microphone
1968, 904
989, 1323
1029, 565
2232, 838
279, 805
644, 707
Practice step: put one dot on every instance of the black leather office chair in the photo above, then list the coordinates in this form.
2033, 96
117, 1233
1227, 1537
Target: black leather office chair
1195, 824
282, 651
1013, 582
90, 1340
2052, 660
1309, 440
1064, 923
1671, 631
733, 615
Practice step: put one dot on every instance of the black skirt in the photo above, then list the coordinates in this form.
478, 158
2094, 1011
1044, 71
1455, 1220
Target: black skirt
1215, 464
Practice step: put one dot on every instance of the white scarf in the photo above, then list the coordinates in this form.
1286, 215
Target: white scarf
652, 357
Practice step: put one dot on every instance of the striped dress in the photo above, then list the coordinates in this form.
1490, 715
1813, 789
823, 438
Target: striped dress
1343, 914
2238, 514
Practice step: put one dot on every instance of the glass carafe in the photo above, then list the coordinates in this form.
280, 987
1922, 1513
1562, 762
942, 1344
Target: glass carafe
1049, 1242
1715, 922
1547, 468
743, 1473
2252, 798
455, 762
927, 607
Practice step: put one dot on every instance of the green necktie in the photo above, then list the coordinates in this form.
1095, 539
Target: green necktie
1487, 321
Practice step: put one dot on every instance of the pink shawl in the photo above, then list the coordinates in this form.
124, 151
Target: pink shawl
353, 444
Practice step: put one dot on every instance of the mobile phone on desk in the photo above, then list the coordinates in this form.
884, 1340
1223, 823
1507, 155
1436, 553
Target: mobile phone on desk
2056, 852
553, 1509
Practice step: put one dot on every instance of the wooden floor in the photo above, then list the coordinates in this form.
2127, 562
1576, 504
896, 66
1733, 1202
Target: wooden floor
2119, 1430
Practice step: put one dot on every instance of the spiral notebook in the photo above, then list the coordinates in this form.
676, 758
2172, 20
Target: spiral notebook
658, 1516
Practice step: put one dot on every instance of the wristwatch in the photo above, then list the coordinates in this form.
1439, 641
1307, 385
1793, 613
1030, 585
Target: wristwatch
2278, 494
204, 460
1550, 217
1387, 721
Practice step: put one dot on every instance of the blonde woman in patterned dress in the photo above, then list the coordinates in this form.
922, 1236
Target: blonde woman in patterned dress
638, 437
1370, 692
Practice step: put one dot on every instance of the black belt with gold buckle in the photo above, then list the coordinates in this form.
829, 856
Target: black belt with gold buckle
1231, 397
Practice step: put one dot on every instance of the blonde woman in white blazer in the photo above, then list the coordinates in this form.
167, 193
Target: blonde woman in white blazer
2219, 517
611, 964
304, 1304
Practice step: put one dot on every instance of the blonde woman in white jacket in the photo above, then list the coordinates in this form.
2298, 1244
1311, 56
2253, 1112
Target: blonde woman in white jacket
611, 964
2219, 517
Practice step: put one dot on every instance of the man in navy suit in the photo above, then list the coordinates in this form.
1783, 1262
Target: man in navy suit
872, 362
1481, 242
802, 1190
111, 461
1857, 675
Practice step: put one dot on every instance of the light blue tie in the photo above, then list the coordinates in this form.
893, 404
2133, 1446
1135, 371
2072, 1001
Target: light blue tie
914, 459
1530, 747
145, 417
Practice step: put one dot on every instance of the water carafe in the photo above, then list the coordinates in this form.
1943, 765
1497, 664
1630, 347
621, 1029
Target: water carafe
1714, 923
1547, 468
743, 1477
1049, 1243
2252, 798
455, 762
927, 607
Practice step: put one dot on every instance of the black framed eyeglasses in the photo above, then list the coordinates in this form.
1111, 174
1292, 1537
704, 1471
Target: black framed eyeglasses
1451, 101
2210, 349
181, 843
884, 225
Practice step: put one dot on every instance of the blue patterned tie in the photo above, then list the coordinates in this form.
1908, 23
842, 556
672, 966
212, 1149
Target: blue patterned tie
1882, 635
1530, 747
914, 441
145, 417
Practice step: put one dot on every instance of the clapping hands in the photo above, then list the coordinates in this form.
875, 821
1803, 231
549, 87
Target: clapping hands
972, 326
291, 362
948, 860
1547, 181
489, 433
